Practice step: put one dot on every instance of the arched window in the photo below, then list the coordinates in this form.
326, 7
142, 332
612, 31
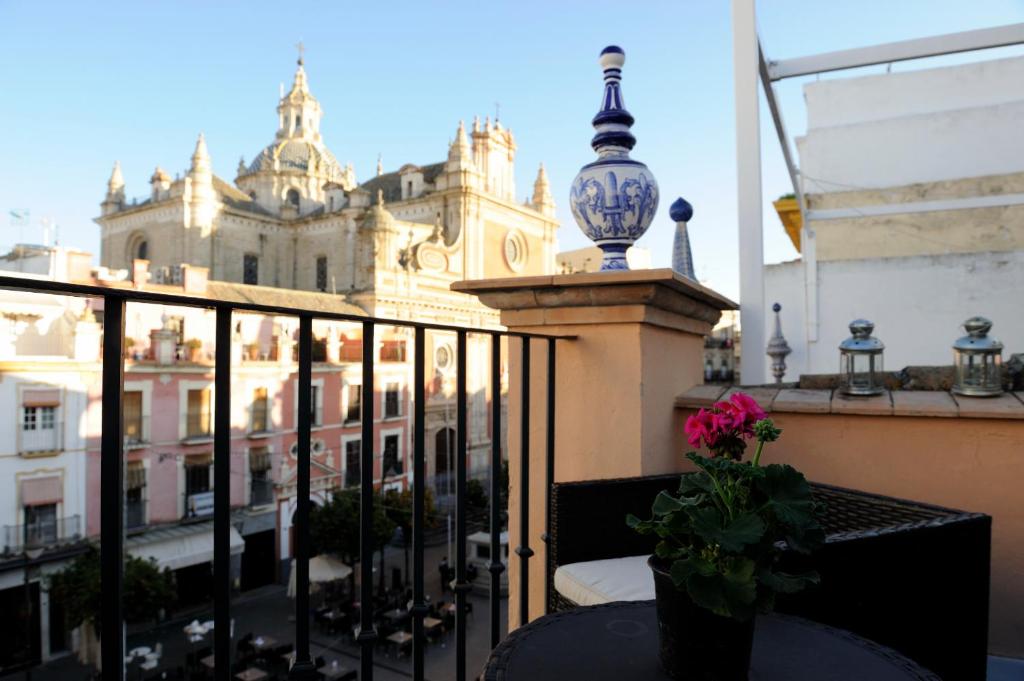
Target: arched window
298, 121
293, 197
142, 250
252, 195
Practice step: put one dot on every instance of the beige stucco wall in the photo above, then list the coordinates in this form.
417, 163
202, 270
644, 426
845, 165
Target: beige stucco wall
627, 343
971, 230
972, 464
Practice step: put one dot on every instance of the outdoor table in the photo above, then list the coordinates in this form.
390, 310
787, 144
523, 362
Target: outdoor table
251, 674
395, 616
431, 623
140, 651
620, 641
263, 643
400, 639
208, 661
336, 672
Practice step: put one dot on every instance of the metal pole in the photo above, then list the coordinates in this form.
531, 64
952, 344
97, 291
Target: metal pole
496, 567
523, 550
367, 634
462, 587
222, 497
549, 477
419, 607
303, 667
112, 488
746, 65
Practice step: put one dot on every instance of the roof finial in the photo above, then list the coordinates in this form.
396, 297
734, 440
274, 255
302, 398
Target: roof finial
380, 165
682, 257
778, 348
301, 48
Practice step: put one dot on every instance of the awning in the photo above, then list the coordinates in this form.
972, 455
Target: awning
41, 397
39, 491
180, 546
322, 568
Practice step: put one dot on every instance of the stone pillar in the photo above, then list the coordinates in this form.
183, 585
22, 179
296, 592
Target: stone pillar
639, 342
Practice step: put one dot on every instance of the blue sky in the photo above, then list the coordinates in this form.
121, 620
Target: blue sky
87, 83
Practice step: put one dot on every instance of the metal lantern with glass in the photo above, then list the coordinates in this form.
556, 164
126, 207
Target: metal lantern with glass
978, 361
860, 361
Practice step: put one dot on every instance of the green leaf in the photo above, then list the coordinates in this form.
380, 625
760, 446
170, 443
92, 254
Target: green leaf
731, 536
693, 483
746, 529
789, 497
731, 593
666, 550
665, 503
680, 571
785, 583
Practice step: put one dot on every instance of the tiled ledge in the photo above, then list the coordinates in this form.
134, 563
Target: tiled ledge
895, 403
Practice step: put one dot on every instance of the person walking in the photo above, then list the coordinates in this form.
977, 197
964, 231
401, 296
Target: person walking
443, 569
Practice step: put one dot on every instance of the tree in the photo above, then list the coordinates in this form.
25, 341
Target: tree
334, 527
399, 508
146, 589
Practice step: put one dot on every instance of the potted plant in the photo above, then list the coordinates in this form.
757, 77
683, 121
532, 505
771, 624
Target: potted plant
195, 348
253, 351
129, 345
721, 537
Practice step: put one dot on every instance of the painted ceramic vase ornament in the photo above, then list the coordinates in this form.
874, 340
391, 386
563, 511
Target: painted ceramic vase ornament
614, 198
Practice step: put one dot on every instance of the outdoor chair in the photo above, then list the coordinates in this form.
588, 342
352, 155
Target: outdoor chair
911, 576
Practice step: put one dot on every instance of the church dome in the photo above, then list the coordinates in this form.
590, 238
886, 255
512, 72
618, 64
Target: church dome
298, 155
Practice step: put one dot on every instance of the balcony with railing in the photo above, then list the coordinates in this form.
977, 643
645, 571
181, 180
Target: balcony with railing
42, 437
46, 533
588, 382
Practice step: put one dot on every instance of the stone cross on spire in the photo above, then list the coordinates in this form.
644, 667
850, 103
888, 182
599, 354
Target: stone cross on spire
302, 49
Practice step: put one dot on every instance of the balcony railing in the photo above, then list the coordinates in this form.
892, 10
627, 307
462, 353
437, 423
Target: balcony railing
134, 513
112, 506
136, 431
261, 492
44, 534
41, 439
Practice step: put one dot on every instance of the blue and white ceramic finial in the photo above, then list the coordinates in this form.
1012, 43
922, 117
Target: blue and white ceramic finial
614, 198
682, 257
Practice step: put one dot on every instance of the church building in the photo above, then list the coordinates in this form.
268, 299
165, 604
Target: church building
296, 218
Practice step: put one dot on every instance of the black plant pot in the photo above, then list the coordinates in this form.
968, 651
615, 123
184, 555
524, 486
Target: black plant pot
695, 644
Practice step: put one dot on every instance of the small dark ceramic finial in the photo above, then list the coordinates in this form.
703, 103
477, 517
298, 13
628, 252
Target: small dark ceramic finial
776, 308
680, 210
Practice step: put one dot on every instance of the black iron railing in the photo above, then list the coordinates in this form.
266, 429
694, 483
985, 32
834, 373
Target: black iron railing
112, 474
44, 533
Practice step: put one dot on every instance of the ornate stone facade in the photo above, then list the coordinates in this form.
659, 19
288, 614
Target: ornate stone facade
296, 218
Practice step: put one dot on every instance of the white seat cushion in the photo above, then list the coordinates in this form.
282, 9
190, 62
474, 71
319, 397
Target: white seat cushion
603, 581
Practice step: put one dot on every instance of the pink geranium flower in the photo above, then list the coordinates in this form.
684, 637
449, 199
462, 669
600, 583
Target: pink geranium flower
724, 427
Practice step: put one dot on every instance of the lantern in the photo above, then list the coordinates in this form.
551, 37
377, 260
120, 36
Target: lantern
860, 361
978, 361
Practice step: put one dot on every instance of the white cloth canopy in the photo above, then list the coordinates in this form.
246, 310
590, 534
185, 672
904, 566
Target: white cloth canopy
322, 568
181, 545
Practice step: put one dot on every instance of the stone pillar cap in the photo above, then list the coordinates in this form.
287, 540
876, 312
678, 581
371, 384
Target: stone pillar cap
661, 290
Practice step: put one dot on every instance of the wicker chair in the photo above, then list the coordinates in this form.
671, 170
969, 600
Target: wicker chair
910, 576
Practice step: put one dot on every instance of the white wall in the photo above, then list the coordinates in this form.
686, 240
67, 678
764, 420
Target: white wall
920, 126
845, 101
917, 304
